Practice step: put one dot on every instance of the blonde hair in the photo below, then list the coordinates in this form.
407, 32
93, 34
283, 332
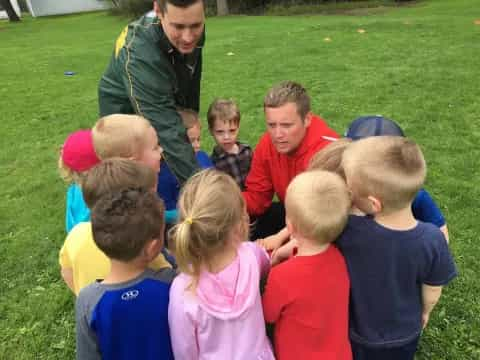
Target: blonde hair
189, 118
114, 175
119, 135
391, 168
330, 157
317, 204
67, 174
225, 110
288, 92
210, 206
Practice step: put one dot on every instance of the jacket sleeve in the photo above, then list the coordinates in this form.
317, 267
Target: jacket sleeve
151, 88
258, 192
182, 325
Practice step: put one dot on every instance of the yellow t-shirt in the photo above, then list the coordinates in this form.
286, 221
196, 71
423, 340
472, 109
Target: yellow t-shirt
87, 261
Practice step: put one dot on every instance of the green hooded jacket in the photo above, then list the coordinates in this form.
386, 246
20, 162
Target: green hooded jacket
149, 77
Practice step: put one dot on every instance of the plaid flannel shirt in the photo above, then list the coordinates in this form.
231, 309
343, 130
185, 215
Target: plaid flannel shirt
236, 165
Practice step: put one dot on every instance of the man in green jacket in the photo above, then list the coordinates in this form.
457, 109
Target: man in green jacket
156, 68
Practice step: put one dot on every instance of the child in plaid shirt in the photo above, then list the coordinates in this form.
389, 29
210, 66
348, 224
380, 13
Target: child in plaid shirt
229, 155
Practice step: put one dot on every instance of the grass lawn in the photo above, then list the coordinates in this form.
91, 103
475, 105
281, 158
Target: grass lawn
419, 65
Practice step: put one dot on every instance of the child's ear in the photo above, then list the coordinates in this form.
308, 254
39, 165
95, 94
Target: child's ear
308, 119
152, 249
375, 204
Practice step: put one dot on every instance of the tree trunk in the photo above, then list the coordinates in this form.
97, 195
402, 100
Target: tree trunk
222, 7
12, 15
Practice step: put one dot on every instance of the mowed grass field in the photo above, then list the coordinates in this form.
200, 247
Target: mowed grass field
419, 65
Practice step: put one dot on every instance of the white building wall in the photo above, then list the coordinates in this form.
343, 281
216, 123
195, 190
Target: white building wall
54, 7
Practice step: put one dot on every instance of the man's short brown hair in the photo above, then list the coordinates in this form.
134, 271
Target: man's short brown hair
162, 4
113, 175
288, 92
391, 168
317, 204
124, 222
225, 110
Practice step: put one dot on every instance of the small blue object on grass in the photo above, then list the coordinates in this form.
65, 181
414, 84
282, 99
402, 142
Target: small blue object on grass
69, 73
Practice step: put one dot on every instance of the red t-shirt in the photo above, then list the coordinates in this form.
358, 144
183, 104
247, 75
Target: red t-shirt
307, 299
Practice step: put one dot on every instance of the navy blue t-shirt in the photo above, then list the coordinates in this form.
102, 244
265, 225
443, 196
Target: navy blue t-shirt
387, 269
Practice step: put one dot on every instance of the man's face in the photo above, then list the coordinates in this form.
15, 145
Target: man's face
286, 127
182, 26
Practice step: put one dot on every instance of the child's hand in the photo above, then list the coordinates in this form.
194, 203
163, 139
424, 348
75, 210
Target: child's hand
274, 241
283, 253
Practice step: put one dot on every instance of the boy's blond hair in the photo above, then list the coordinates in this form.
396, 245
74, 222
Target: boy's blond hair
317, 204
113, 175
330, 157
225, 110
210, 206
390, 168
189, 118
288, 92
119, 135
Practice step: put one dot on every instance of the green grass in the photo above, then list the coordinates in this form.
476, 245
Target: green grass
418, 65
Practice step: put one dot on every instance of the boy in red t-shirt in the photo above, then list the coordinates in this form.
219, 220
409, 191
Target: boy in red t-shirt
306, 297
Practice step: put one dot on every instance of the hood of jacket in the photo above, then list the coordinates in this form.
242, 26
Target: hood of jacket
229, 297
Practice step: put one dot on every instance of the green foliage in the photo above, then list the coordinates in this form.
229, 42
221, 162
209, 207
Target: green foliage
417, 65
131, 8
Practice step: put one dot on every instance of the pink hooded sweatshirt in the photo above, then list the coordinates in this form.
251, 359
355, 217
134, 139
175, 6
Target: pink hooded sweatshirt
223, 318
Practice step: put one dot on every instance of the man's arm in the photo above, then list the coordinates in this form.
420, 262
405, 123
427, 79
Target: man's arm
151, 95
259, 191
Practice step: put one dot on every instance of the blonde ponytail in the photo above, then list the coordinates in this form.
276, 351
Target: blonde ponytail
210, 206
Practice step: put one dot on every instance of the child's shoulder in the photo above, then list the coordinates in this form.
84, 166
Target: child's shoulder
166, 275
80, 233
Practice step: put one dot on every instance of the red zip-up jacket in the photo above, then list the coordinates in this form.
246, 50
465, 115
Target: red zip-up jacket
271, 172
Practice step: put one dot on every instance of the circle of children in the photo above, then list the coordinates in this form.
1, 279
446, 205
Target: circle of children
355, 273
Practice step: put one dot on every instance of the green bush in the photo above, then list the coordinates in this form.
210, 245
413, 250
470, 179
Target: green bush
131, 8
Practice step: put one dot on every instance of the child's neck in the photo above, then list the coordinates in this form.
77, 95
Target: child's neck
307, 247
233, 150
124, 271
222, 260
397, 220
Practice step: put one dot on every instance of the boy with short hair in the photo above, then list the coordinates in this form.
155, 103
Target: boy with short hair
80, 259
424, 207
397, 265
229, 155
306, 297
125, 316
125, 136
